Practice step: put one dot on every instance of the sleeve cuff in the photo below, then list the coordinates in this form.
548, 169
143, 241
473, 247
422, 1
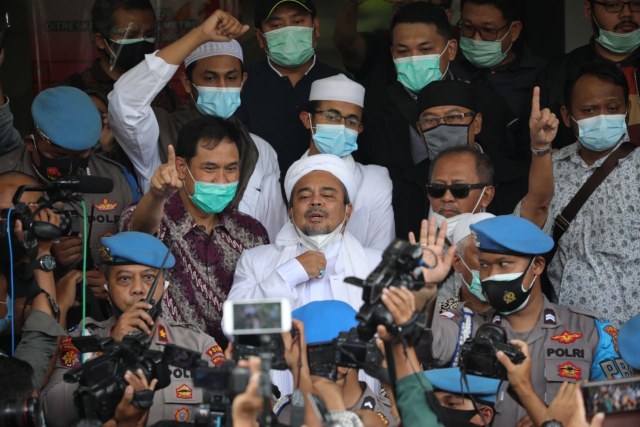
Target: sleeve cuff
293, 273
39, 321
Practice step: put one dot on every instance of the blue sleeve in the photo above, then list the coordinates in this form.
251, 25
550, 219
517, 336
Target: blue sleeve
136, 193
607, 363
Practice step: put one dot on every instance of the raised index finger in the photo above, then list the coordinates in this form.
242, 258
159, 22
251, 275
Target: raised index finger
535, 101
171, 156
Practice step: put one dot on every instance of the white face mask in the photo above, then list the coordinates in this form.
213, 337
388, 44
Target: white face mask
454, 220
320, 241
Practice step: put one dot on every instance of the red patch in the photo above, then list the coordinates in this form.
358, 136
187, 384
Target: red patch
184, 392
614, 336
567, 337
162, 334
182, 415
569, 370
216, 355
53, 172
69, 353
106, 205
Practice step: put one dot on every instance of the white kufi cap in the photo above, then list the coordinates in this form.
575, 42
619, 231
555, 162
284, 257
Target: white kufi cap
205, 50
463, 229
321, 162
337, 88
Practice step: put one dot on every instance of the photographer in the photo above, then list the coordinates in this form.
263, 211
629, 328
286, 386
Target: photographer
565, 344
132, 262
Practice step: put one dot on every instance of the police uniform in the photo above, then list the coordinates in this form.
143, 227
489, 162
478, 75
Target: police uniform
176, 401
70, 120
566, 344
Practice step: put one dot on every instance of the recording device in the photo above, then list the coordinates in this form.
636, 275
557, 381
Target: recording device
612, 396
256, 317
256, 345
478, 354
400, 266
101, 380
21, 413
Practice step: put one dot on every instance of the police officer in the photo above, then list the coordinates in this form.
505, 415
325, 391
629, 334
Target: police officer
132, 261
565, 344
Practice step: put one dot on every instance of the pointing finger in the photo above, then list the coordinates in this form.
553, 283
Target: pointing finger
535, 102
171, 156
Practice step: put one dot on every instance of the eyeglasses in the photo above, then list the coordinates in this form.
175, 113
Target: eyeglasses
486, 34
459, 191
335, 117
427, 121
617, 6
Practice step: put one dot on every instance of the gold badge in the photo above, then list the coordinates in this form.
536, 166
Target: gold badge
509, 297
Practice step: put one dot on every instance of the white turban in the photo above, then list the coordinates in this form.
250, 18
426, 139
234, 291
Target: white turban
337, 88
205, 50
463, 229
321, 162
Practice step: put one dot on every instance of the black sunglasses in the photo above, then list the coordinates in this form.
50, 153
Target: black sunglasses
459, 191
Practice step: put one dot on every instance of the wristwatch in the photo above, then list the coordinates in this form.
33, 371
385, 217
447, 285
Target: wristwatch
552, 423
541, 152
46, 263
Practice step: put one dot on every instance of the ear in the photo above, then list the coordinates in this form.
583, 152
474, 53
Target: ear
316, 27
245, 76
290, 212
487, 197
487, 413
516, 30
449, 13
99, 41
347, 213
566, 117
538, 265
457, 264
305, 118
587, 12
262, 42
30, 141
452, 50
476, 124
186, 83
181, 167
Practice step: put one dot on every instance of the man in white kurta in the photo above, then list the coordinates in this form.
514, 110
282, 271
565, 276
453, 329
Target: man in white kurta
213, 77
334, 119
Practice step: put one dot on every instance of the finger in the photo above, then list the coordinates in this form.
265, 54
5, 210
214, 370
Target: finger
137, 323
504, 359
412, 238
383, 334
171, 156
535, 102
424, 231
524, 348
254, 364
154, 383
545, 117
597, 420
128, 395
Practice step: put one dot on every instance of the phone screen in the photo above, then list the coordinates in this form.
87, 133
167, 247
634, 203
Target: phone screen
252, 317
612, 396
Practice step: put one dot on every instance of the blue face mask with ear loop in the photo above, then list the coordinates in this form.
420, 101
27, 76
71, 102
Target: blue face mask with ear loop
218, 101
338, 140
602, 132
475, 287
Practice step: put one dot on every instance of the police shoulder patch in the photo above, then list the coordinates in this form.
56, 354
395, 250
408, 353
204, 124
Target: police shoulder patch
182, 415
69, 353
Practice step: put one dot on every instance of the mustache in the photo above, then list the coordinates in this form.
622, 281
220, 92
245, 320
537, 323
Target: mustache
310, 211
626, 22
448, 207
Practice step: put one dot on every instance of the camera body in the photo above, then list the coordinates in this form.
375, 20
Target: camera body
478, 354
251, 345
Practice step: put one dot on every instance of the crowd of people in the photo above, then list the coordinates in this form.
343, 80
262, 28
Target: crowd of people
515, 179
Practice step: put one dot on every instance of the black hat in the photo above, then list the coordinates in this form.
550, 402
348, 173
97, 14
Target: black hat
264, 8
447, 92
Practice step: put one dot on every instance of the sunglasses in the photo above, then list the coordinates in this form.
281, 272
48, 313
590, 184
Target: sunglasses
459, 191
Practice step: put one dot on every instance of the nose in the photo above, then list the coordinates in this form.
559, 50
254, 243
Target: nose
137, 287
448, 196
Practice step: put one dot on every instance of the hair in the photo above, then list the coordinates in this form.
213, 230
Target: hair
423, 13
484, 165
208, 129
16, 378
189, 70
311, 106
103, 10
510, 9
601, 70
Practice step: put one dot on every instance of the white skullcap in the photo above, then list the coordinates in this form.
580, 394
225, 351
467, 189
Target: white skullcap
463, 229
321, 162
337, 88
205, 50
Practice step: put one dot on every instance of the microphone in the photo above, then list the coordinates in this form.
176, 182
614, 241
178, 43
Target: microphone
85, 184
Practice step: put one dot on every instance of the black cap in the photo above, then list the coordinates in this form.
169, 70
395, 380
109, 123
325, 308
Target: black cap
264, 8
447, 92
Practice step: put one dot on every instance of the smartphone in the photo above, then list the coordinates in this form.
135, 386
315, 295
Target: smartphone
612, 396
260, 316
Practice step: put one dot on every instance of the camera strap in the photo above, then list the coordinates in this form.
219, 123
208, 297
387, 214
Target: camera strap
142, 399
411, 331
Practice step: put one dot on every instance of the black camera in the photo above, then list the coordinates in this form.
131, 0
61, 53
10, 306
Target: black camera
400, 266
478, 354
252, 345
21, 413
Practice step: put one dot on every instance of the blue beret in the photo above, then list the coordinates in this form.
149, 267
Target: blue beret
132, 247
629, 342
324, 320
508, 234
449, 379
68, 117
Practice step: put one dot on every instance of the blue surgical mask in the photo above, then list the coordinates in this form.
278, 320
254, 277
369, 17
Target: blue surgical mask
482, 53
211, 197
338, 140
475, 287
218, 101
600, 133
416, 72
290, 46
618, 42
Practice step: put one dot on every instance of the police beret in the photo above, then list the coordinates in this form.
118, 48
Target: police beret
508, 234
449, 379
68, 117
132, 247
324, 320
629, 342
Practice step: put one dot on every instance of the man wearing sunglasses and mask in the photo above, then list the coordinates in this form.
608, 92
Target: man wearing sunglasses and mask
565, 344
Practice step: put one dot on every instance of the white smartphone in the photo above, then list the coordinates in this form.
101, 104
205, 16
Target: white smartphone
259, 316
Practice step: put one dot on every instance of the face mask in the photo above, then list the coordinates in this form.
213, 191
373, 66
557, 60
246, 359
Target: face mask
475, 287
56, 169
442, 137
210, 197
454, 220
320, 241
415, 72
335, 139
618, 42
290, 46
218, 101
130, 52
457, 417
482, 53
599, 133
505, 292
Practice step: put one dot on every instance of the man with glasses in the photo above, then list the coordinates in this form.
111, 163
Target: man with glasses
334, 119
615, 40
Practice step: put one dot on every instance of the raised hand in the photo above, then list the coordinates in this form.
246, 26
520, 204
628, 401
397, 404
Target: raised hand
222, 27
543, 124
433, 255
165, 181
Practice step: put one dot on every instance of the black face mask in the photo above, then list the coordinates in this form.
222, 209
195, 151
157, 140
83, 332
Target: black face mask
457, 417
507, 296
127, 56
56, 169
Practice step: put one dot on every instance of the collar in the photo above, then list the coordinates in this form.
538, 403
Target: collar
572, 154
281, 75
